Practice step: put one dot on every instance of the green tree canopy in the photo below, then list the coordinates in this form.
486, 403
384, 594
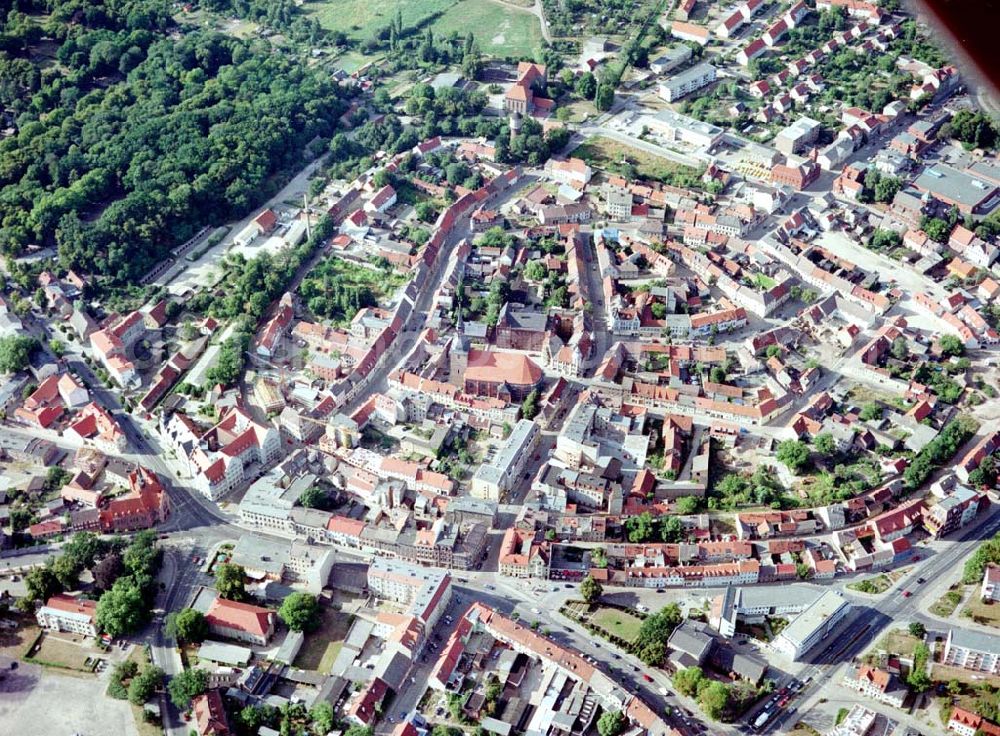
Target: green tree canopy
794, 454
144, 685
611, 723
16, 352
651, 642
591, 590
188, 625
184, 687
300, 612
686, 680
825, 443
123, 609
229, 581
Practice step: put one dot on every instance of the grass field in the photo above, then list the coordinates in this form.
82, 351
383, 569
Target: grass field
500, 30
607, 154
321, 647
763, 281
616, 622
899, 642
59, 652
987, 614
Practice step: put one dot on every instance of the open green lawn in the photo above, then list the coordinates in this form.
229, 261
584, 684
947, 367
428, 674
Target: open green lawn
500, 29
617, 622
321, 647
607, 154
360, 19
763, 281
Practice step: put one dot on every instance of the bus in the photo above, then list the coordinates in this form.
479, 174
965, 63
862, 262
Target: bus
761, 719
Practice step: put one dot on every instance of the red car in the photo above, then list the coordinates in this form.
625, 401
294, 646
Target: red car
647, 678
907, 594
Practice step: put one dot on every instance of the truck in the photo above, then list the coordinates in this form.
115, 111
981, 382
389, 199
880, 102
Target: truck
761, 719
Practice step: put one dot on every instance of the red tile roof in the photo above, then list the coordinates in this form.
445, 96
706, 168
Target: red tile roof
240, 616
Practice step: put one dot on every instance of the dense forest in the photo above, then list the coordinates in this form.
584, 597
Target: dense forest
128, 139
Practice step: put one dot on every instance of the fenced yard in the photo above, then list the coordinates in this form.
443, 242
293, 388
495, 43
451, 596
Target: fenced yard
617, 623
65, 651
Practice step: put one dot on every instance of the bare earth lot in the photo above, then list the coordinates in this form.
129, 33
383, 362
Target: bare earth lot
27, 696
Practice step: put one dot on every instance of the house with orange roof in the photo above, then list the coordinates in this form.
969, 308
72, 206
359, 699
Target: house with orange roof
966, 723
269, 336
53, 396
366, 704
506, 376
111, 344
522, 555
147, 504
218, 458
209, 714
877, 684
690, 32
571, 171
98, 425
240, 621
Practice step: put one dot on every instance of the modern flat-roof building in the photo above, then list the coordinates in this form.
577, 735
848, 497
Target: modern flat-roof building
972, 650
687, 81
970, 194
990, 590
266, 559
812, 625
797, 136
751, 605
494, 479
670, 59
682, 129
424, 592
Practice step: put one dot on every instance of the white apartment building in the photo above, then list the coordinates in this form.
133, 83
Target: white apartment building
812, 625
687, 81
972, 650
66, 613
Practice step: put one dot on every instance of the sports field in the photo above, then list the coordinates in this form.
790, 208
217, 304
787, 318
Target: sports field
500, 30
